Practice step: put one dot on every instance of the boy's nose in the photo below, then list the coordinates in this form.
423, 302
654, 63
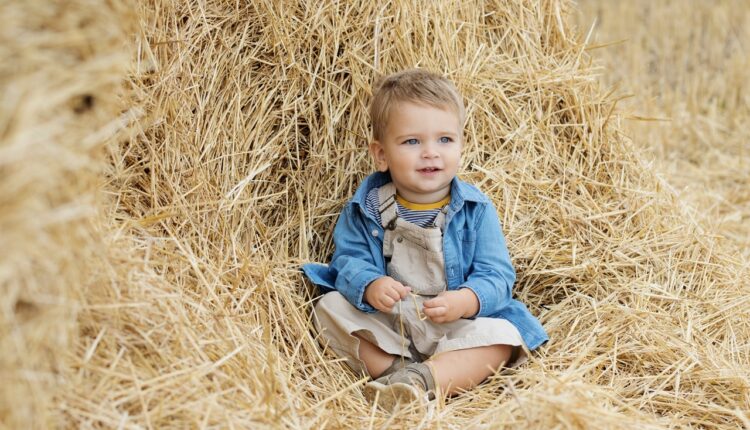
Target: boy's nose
429, 151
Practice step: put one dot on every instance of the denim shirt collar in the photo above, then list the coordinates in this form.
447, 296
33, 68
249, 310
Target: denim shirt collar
460, 191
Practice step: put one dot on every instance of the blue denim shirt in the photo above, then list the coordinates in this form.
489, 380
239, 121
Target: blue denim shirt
473, 246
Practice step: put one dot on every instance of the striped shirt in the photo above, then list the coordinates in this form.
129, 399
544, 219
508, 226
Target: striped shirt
422, 215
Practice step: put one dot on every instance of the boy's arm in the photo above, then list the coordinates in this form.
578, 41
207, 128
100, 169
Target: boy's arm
491, 275
353, 258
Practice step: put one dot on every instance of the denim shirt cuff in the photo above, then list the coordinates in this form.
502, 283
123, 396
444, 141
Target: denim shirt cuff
480, 297
364, 279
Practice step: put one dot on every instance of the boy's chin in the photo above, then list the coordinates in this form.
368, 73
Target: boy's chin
430, 191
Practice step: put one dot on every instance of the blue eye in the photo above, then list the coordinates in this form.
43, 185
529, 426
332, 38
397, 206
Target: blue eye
411, 141
446, 139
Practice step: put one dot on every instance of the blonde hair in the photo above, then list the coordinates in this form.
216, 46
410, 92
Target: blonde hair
413, 85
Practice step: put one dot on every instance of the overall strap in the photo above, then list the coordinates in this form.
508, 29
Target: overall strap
387, 206
439, 221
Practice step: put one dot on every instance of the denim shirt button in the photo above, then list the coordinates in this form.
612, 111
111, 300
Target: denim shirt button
374, 233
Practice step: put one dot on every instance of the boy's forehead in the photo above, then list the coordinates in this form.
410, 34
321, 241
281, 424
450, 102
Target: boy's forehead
402, 108
412, 117
408, 107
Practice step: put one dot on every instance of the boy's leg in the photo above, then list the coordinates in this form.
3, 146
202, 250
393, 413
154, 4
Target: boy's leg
376, 360
351, 334
453, 371
463, 369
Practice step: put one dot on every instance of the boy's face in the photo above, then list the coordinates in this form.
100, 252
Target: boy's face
421, 147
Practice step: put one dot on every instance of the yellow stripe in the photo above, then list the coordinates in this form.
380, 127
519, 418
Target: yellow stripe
423, 206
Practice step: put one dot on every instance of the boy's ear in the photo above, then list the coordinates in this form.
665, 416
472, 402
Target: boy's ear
378, 156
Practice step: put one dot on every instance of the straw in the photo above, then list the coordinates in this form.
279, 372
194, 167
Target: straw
167, 166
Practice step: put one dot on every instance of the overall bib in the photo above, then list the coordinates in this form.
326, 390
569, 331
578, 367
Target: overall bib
414, 257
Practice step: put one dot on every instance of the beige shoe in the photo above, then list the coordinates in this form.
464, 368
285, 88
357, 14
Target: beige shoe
410, 384
394, 396
397, 364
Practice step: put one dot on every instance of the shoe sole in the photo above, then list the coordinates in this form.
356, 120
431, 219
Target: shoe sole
391, 396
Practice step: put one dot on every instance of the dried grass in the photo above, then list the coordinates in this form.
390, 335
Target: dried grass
59, 79
244, 132
685, 65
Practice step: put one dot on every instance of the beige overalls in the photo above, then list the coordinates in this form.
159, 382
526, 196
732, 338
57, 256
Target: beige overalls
414, 257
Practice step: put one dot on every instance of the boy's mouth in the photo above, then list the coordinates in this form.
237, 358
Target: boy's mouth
428, 170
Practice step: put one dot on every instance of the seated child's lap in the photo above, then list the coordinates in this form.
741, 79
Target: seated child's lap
404, 333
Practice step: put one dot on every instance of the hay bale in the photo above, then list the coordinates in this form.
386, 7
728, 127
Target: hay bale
253, 136
59, 76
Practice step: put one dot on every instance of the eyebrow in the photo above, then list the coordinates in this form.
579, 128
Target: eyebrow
442, 133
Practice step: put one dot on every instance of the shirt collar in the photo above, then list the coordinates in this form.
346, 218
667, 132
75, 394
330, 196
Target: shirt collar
460, 191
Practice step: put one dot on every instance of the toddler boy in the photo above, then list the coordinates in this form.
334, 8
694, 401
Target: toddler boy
418, 292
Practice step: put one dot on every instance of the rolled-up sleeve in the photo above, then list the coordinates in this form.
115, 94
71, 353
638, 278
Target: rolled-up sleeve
353, 259
491, 274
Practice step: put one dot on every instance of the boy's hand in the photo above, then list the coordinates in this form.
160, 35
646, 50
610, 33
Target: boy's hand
384, 292
449, 306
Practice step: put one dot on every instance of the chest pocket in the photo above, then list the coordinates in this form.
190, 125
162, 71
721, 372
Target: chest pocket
417, 259
468, 246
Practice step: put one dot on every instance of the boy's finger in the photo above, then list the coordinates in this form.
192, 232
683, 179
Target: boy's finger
434, 302
387, 301
401, 288
434, 312
393, 294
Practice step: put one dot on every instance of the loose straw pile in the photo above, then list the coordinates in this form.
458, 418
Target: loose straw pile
167, 166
